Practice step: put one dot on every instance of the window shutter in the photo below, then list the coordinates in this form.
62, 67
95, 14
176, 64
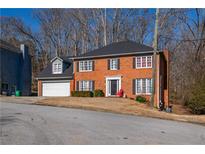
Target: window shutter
133, 86
93, 65
118, 64
93, 88
77, 66
134, 62
108, 64
77, 85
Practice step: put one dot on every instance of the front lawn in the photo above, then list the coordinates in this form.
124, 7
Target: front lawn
123, 106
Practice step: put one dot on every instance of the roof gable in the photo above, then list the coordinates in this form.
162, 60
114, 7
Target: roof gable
52, 60
67, 71
47, 72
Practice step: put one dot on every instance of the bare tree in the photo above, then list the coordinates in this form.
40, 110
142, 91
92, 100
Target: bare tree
70, 32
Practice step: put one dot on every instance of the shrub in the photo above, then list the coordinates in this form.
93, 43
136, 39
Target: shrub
98, 93
141, 99
196, 101
197, 107
82, 93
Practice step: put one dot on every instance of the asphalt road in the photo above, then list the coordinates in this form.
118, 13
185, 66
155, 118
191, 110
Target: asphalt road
33, 124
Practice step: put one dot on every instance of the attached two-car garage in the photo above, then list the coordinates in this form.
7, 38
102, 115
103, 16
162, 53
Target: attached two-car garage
56, 88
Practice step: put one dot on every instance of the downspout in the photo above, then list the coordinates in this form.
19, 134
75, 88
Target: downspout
73, 75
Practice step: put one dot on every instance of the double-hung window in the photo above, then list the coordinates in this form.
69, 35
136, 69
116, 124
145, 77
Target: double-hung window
143, 86
86, 85
114, 64
57, 68
143, 62
85, 66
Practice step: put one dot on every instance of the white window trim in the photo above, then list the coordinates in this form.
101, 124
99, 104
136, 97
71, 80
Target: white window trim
107, 82
90, 83
111, 60
82, 63
56, 70
147, 81
146, 93
141, 62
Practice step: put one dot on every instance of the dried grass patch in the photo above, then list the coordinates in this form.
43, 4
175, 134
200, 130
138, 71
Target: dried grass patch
124, 106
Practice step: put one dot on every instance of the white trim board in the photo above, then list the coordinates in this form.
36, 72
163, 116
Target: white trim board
112, 78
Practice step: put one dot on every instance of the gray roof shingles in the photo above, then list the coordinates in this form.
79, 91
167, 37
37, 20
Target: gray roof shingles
124, 47
47, 72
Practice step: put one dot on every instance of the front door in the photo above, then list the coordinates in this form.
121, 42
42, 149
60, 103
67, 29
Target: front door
113, 87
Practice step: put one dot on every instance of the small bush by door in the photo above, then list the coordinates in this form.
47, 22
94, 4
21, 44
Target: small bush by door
95, 93
98, 93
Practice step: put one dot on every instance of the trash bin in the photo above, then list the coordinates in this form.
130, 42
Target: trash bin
18, 93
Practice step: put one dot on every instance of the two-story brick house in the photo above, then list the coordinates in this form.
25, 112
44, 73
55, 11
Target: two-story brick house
124, 65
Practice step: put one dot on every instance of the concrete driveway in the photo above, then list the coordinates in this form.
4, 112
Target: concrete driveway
34, 124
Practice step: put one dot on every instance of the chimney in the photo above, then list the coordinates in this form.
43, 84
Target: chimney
24, 50
26, 69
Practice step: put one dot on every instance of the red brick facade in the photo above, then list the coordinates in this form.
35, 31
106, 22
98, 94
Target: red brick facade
39, 88
126, 71
127, 74
161, 82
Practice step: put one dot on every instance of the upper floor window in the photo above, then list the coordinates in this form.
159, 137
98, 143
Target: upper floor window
85, 66
143, 86
144, 62
57, 67
113, 64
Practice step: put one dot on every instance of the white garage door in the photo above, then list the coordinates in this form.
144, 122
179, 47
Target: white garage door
57, 88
